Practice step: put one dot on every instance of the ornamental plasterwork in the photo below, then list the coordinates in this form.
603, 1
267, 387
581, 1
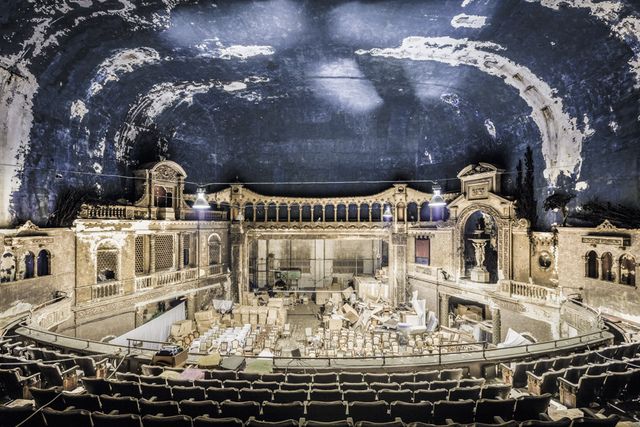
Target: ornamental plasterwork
606, 226
166, 173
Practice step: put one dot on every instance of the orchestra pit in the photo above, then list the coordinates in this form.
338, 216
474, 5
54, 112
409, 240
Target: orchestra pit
319, 213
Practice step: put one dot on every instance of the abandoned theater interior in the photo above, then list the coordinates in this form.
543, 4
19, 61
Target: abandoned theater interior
320, 213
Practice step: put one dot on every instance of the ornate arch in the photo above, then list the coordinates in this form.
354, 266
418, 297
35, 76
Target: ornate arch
504, 226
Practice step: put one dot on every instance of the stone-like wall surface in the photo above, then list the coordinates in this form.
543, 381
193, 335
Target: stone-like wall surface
610, 297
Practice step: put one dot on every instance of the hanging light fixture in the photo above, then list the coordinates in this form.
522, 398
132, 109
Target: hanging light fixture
437, 199
201, 201
387, 215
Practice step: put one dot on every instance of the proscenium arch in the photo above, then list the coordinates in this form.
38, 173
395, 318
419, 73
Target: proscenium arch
503, 225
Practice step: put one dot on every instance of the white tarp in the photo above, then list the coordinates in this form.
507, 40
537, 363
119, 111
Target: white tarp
513, 339
420, 306
157, 329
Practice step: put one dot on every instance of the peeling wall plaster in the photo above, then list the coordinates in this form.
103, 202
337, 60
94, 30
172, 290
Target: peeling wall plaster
468, 21
627, 28
561, 137
122, 62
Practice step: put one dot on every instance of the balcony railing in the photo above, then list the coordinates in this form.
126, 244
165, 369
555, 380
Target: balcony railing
529, 291
215, 269
106, 290
168, 278
425, 270
137, 212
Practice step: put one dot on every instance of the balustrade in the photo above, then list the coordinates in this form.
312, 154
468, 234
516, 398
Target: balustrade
106, 290
529, 291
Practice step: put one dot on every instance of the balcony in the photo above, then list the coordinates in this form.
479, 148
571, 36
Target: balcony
169, 278
107, 290
529, 291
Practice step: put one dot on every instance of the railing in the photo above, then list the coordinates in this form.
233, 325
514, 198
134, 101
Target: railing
138, 212
440, 356
113, 212
206, 215
529, 291
422, 269
107, 289
215, 269
168, 278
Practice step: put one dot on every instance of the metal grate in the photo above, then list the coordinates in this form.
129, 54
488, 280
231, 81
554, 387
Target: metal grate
186, 250
139, 254
164, 251
214, 251
107, 264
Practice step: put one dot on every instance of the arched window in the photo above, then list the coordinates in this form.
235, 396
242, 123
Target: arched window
215, 252
607, 266
44, 263
7, 267
364, 212
106, 263
412, 212
627, 270
29, 267
248, 212
162, 197
591, 265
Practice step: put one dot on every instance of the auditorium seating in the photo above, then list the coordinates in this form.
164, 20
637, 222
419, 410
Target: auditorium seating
437, 397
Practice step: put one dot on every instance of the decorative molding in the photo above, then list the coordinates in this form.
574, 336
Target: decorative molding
606, 226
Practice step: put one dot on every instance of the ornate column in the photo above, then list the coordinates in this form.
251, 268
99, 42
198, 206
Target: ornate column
278, 212
398, 267
369, 210
180, 251
497, 325
239, 273
358, 210
443, 310
152, 254
288, 213
323, 213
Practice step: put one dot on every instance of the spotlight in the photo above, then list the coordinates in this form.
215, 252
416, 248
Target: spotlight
437, 199
201, 201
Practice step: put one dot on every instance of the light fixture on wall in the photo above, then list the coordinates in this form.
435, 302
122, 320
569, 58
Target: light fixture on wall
387, 215
437, 199
201, 201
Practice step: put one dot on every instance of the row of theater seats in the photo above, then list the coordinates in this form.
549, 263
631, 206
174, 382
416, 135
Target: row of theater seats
81, 418
264, 391
302, 378
463, 411
73, 411
549, 381
516, 373
30, 366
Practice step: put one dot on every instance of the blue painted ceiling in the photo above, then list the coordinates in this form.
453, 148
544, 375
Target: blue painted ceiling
296, 91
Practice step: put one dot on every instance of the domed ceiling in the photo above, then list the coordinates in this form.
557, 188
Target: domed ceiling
309, 91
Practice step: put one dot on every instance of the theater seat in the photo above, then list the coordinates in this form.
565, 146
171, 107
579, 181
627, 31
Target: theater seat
530, 407
66, 418
377, 412
165, 408
121, 420
123, 405
326, 411
222, 422
487, 409
459, 412
258, 423
240, 410
199, 408
411, 412
282, 411
166, 421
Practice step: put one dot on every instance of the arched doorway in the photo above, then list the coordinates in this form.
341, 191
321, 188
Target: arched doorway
481, 234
